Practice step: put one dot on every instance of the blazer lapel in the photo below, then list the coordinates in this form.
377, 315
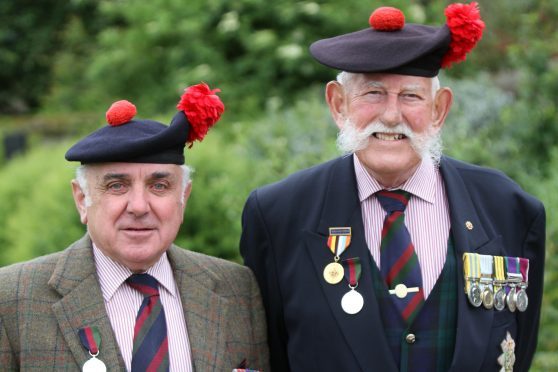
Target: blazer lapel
472, 323
205, 312
82, 304
363, 331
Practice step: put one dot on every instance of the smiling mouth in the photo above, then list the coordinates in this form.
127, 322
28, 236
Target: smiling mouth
389, 136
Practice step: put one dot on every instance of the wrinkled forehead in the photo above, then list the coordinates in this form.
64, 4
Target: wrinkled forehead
392, 81
132, 171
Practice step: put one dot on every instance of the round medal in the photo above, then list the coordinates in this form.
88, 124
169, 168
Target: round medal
352, 302
500, 299
94, 365
333, 273
475, 295
487, 298
511, 300
522, 300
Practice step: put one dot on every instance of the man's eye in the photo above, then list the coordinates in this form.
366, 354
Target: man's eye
116, 186
410, 96
160, 186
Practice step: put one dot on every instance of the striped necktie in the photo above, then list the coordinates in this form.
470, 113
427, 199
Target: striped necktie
399, 264
151, 348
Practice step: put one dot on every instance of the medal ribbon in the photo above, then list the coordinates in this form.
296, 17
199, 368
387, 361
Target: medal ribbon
471, 267
524, 267
352, 270
90, 339
339, 239
499, 272
486, 265
512, 269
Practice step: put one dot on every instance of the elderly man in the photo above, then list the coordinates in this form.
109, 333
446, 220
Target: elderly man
124, 297
395, 258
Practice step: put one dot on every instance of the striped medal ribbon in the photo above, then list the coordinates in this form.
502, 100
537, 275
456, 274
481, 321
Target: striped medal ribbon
338, 241
513, 279
91, 340
471, 268
499, 283
486, 285
352, 302
522, 300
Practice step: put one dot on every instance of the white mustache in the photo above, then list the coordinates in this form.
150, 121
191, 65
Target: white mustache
379, 127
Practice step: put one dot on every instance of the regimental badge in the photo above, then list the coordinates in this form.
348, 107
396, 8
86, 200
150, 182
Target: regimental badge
471, 268
507, 358
338, 241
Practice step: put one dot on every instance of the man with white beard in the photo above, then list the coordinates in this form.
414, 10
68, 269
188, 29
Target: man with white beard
394, 257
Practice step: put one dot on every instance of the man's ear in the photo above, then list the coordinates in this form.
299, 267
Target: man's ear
441, 107
187, 191
79, 199
186, 195
335, 98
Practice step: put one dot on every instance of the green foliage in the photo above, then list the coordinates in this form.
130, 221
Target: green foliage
232, 161
254, 50
37, 215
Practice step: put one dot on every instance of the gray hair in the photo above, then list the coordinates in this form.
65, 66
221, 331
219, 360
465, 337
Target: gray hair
81, 178
346, 79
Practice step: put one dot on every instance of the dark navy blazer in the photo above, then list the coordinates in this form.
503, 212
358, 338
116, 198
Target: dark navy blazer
285, 229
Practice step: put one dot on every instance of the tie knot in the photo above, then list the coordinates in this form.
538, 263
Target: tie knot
145, 284
394, 200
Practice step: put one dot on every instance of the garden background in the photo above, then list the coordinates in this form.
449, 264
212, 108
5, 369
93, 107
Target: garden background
62, 63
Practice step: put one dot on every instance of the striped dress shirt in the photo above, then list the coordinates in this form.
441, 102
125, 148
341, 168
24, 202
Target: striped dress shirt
426, 217
122, 304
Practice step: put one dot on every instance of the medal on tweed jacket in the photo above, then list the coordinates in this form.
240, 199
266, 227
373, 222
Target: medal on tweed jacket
91, 340
338, 240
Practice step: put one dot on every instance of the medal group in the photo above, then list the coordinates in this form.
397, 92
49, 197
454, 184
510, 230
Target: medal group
350, 269
496, 282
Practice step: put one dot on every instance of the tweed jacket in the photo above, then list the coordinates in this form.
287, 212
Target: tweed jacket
44, 302
284, 241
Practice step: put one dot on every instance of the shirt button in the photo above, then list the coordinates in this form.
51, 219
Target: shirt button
410, 338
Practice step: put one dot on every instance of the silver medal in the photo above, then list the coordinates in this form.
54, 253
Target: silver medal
500, 299
94, 365
352, 302
487, 298
522, 300
511, 300
475, 295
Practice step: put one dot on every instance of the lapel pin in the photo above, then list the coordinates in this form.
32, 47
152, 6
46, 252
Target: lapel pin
469, 225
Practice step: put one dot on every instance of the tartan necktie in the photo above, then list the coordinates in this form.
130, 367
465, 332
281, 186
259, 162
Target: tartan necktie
398, 260
151, 349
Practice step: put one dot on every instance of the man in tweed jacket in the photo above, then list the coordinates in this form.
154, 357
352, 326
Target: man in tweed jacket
131, 192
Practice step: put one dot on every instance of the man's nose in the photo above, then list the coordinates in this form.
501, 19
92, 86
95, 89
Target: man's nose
138, 202
392, 110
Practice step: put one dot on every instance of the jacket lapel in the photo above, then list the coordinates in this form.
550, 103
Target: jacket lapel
472, 323
363, 331
82, 304
205, 311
